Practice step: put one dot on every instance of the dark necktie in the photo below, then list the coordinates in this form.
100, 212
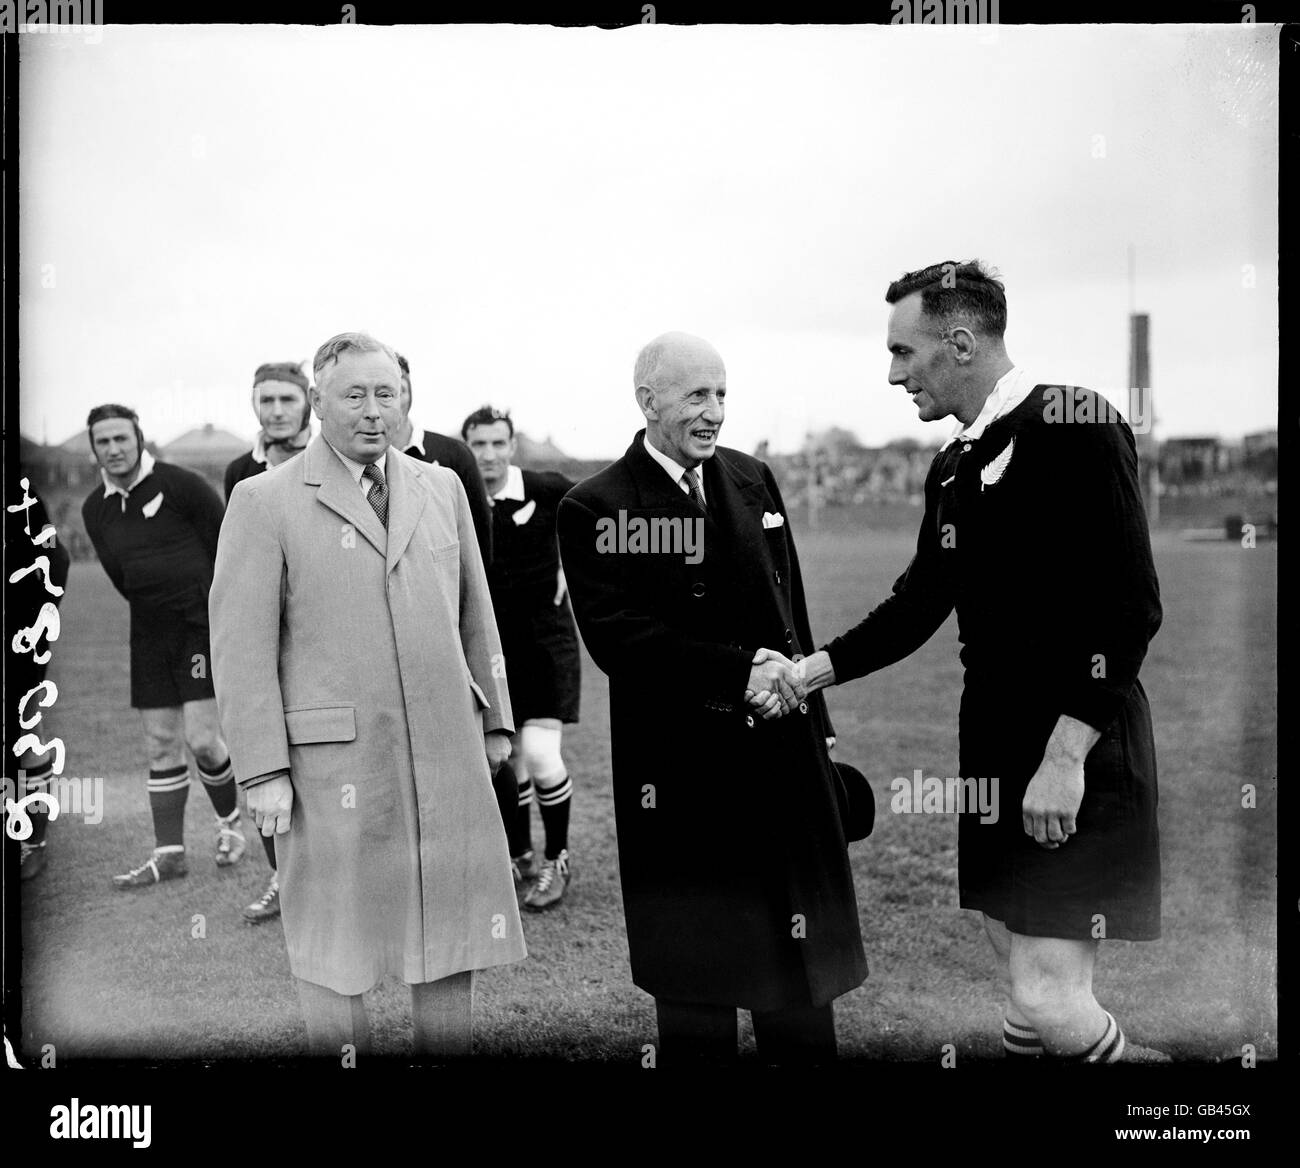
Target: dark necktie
694, 483
378, 495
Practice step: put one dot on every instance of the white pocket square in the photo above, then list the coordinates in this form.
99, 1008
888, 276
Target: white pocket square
525, 513
150, 509
773, 519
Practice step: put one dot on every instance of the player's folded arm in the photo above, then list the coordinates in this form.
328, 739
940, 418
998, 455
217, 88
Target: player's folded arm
109, 562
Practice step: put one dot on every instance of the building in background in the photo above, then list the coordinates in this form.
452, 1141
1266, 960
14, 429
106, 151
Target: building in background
207, 451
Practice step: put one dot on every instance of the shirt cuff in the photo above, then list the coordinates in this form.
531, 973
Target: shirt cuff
1097, 707
244, 784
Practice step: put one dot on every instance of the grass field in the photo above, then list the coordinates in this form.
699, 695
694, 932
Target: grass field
108, 973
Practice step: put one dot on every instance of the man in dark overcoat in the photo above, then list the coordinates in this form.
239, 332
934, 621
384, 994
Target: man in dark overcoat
735, 875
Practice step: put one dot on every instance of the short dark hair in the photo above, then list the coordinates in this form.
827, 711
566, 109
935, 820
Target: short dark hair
486, 416
968, 294
113, 410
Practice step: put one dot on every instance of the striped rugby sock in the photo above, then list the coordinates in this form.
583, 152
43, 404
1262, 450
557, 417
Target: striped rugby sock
220, 785
553, 803
521, 840
1109, 1048
1020, 1041
169, 788
37, 779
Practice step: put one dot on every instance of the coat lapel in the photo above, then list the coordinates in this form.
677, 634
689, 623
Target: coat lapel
655, 490
407, 496
337, 490
736, 501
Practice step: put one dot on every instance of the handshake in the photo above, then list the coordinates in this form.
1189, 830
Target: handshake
777, 686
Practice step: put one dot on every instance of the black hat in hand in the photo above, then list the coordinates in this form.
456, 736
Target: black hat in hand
856, 801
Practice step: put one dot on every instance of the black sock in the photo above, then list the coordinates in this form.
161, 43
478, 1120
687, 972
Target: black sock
168, 790
553, 802
521, 839
504, 787
37, 779
268, 846
220, 785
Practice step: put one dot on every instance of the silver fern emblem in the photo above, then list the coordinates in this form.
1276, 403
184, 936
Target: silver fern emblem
998, 467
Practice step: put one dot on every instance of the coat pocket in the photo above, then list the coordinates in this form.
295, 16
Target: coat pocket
480, 696
307, 724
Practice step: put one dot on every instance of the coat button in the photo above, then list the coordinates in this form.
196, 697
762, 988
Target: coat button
789, 637
966, 449
697, 589
749, 720
803, 707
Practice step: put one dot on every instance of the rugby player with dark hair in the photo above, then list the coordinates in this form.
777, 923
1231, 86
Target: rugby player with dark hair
283, 412
1020, 513
540, 642
154, 527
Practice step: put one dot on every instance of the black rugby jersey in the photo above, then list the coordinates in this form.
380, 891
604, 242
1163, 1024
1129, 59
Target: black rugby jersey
158, 544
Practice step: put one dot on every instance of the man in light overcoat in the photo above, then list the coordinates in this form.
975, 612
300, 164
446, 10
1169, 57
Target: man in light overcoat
360, 681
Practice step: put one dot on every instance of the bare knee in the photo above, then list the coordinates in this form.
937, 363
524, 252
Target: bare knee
539, 747
209, 750
1050, 979
163, 743
203, 735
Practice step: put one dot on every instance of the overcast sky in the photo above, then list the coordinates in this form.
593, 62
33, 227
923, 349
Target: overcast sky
519, 209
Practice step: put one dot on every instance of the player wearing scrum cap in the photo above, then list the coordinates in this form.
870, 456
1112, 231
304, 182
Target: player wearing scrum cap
154, 527
284, 415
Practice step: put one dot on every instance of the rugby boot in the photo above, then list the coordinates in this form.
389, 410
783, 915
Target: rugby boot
157, 868
267, 906
553, 880
230, 840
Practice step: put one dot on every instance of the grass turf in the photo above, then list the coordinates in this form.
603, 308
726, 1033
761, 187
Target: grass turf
115, 974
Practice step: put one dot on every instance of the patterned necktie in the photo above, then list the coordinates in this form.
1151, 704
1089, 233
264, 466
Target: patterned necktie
694, 483
378, 495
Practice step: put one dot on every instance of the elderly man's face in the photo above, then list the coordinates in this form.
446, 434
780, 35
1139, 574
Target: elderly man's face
687, 407
279, 407
922, 361
357, 400
116, 449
